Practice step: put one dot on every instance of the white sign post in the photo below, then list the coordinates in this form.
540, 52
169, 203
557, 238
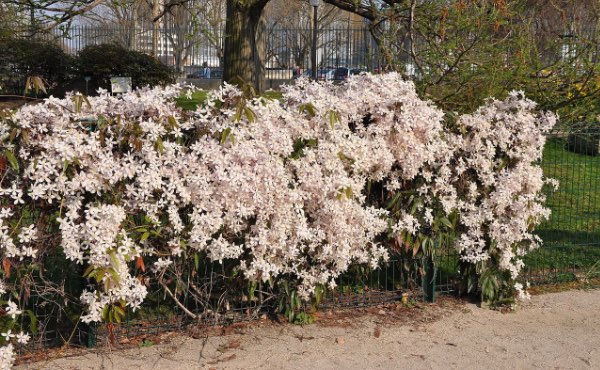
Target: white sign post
120, 85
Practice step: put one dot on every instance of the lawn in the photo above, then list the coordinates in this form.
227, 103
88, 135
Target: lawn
191, 104
199, 97
576, 204
572, 234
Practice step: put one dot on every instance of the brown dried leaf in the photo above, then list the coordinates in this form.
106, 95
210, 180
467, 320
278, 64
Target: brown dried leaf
6, 266
139, 263
377, 332
3, 165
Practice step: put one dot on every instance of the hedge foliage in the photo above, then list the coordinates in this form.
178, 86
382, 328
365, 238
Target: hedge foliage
62, 72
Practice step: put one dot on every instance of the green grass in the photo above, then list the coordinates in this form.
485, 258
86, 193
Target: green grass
190, 104
566, 257
576, 204
572, 234
199, 97
272, 94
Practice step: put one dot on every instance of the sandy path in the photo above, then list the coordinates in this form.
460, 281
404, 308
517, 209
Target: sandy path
553, 331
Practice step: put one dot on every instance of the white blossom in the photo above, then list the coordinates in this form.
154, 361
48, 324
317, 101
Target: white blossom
7, 357
12, 310
281, 189
22, 338
7, 335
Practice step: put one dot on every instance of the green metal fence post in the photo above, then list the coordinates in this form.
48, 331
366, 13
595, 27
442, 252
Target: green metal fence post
92, 336
429, 279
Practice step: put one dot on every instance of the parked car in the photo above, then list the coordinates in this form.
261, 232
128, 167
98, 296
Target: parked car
305, 73
342, 73
216, 73
196, 74
326, 74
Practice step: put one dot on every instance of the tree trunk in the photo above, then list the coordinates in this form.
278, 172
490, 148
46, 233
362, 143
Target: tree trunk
245, 44
155, 28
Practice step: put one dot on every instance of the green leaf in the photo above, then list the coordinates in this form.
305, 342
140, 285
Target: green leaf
119, 313
32, 322
172, 122
225, 134
415, 206
88, 271
99, 275
298, 302
345, 158
77, 103
146, 343
238, 114
333, 118
36, 83
289, 315
308, 108
250, 115
394, 200
319, 294
114, 275
105, 313
114, 259
159, 145
92, 274
144, 236
196, 261
251, 290
13, 134
12, 160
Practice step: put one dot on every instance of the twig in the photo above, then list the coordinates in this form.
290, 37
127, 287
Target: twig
188, 312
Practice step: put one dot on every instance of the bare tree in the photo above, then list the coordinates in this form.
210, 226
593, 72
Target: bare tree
47, 14
10, 19
182, 30
289, 28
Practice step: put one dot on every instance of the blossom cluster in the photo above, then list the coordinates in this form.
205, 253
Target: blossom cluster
7, 337
498, 158
279, 186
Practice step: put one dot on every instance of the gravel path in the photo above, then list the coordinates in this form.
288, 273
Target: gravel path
552, 331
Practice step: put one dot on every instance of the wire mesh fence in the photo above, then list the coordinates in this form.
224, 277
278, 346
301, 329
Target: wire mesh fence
571, 236
359, 287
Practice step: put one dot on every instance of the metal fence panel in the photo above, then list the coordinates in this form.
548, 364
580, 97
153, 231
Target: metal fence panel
571, 236
187, 49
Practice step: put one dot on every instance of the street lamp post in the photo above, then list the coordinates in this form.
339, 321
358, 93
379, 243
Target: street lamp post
87, 81
315, 5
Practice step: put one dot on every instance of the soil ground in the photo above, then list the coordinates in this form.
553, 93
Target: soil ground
552, 331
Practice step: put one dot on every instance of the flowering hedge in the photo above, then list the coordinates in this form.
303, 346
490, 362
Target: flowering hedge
276, 187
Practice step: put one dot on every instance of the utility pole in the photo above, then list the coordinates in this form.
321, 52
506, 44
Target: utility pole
155, 27
315, 5
32, 21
